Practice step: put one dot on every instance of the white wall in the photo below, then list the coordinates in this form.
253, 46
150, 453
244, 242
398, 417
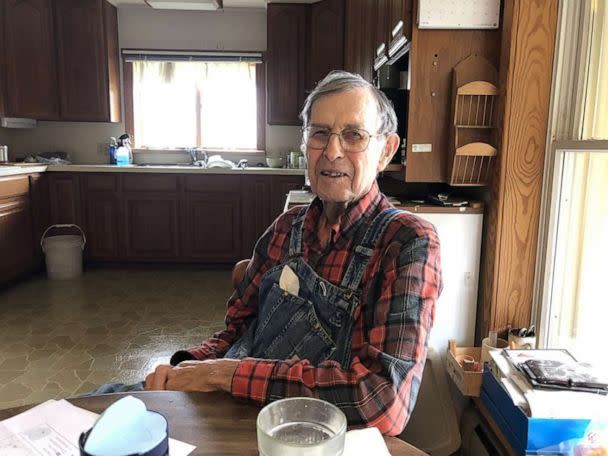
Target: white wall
146, 28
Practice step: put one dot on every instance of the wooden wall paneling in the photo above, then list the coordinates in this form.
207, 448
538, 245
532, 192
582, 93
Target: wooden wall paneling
511, 226
110, 23
434, 53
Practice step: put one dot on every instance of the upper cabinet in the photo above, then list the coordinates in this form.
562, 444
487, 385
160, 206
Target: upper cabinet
305, 42
29, 47
359, 50
286, 62
84, 28
326, 39
60, 60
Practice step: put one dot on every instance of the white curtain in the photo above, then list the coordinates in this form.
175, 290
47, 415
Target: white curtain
188, 104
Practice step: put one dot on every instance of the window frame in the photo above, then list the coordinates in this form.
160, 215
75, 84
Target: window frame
260, 81
550, 236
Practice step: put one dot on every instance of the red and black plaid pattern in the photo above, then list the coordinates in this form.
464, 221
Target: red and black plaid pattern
398, 295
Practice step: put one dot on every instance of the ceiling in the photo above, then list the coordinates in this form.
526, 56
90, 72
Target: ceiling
227, 3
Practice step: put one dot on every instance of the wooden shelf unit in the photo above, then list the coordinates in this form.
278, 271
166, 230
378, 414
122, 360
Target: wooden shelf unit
473, 136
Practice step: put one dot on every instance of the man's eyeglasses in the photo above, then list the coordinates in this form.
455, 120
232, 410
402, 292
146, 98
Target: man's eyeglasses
352, 140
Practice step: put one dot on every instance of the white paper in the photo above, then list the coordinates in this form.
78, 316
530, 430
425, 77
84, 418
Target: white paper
364, 442
53, 428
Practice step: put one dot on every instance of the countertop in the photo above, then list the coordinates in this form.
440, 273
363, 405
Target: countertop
300, 197
10, 170
13, 170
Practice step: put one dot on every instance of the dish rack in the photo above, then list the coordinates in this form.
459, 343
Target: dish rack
473, 139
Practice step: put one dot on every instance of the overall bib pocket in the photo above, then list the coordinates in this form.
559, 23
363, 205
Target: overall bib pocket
289, 328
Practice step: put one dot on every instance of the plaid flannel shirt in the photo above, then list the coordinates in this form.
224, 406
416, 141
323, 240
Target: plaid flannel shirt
389, 341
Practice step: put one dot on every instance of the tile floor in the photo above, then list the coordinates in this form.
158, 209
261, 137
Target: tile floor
61, 338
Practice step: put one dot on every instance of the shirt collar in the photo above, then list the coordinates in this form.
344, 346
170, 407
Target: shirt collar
355, 211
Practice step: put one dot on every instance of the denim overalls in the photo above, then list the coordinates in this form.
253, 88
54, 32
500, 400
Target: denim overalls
317, 324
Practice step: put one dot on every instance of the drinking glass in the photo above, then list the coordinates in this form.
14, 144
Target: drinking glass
301, 426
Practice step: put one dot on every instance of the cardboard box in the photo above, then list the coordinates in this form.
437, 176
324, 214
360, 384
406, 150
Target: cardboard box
468, 382
525, 434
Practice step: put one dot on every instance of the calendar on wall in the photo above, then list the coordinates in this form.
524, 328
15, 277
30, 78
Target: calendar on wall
458, 14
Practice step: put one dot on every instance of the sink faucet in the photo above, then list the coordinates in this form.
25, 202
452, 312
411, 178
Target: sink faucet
194, 160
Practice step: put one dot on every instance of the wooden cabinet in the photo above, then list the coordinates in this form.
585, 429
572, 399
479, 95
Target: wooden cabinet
103, 216
151, 217
64, 193
359, 49
154, 217
16, 238
286, 62
257, 210
60, 60
326, 39
29, 52
150, 227
212, 218
280, 188
85, 31
39, 196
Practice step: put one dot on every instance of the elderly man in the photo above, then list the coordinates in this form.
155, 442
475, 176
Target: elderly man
339, 297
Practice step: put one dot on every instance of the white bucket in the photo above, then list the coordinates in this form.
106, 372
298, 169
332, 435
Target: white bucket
63, 253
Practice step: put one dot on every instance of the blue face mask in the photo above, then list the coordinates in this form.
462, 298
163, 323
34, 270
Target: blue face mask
126, 428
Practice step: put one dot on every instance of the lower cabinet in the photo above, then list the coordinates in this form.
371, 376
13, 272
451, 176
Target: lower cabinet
170, 217
102, 226
17, 243
150, 227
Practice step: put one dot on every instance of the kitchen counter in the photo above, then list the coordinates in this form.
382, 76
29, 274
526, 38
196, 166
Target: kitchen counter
173, 169
13, 170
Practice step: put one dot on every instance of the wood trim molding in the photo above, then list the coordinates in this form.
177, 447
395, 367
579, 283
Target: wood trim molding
260, 81
511, 227
127, 71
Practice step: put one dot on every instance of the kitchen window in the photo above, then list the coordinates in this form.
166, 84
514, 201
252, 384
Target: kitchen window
572, 268
186, 100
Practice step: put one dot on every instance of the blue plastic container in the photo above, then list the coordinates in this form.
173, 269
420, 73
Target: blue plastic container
526, 435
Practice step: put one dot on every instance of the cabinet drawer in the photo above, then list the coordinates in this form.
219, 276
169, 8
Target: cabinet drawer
14, 186
101, 182
150, 183
208, 183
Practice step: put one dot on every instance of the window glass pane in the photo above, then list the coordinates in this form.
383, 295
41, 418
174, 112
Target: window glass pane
579, 310
228, 106
164, 104
188, 104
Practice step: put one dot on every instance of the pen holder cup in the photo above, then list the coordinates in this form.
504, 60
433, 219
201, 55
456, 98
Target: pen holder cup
486, 348
522, 343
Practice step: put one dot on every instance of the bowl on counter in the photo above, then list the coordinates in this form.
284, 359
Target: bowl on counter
274, 162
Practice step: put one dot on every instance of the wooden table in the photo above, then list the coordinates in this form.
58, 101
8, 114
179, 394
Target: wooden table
214, 422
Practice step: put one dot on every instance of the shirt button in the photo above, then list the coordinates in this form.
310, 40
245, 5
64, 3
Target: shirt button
316, 326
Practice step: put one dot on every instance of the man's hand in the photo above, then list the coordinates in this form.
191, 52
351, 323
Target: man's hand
204, 376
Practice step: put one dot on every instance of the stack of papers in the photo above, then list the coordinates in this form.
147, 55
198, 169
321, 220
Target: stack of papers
544, 403
53, 428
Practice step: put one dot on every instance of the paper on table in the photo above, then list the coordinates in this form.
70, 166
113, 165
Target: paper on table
54, 427
363, 442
